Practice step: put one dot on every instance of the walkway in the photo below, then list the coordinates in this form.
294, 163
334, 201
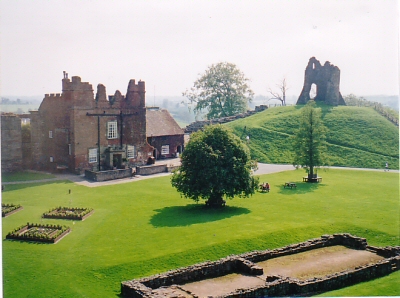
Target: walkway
80, 179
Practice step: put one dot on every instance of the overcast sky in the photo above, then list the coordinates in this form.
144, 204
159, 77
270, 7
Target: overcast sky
169, 43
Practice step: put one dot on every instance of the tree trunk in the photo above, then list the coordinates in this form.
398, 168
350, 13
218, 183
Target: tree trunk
215, 201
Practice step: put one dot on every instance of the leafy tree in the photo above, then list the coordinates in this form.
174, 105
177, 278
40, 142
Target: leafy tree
309, 140
353, 100
222, 90
214, 164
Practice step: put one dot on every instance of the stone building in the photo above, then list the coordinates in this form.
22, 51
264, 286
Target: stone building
78, 130
327, 81
11, 143
163, 133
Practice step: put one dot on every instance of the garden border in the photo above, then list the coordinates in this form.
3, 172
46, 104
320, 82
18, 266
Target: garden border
46, 215
10, 235
3, 214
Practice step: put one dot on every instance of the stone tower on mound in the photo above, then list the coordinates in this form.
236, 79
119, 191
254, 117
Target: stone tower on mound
327, 80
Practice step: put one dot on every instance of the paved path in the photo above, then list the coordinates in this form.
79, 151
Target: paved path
80, 179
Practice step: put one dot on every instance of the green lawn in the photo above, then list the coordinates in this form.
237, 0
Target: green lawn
356, 136
25, 176
143, 228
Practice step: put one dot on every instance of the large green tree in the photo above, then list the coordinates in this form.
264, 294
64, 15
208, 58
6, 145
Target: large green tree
215, 164
309, 140
222, 91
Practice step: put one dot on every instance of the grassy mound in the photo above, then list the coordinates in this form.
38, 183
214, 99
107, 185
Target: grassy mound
145, 227
357, 136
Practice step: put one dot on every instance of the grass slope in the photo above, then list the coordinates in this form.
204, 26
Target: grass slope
357, 136
142, 228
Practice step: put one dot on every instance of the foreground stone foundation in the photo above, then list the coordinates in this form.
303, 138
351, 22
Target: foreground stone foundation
169, 284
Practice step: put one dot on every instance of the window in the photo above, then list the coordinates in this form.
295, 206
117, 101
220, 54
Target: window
130, 151
50, 134
69, 149
93, 155
164, 149
112, 130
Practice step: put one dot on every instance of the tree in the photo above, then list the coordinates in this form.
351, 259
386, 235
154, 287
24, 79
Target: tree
214, 164
353, 100
222, 90
281, 95
309, 140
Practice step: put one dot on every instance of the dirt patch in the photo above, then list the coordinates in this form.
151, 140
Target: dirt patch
318, 262
306, 265
222, 285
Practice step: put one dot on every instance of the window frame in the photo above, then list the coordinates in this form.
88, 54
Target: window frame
130, 151
165, 149
112, 130
92, 155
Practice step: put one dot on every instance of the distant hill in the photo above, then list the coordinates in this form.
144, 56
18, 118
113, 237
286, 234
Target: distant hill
357, 136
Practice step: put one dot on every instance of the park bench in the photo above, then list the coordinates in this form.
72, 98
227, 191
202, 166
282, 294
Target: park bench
314, 179
290, 184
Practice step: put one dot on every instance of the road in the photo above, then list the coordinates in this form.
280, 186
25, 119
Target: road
80, 179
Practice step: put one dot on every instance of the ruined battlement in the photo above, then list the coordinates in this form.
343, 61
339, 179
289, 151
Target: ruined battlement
75, 85
52, 95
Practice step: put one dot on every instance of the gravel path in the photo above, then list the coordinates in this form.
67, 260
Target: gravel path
80, 179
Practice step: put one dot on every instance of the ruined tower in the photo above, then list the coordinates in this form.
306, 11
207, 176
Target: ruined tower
327, 80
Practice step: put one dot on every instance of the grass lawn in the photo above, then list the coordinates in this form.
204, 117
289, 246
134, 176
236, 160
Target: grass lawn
145, 227
24, 176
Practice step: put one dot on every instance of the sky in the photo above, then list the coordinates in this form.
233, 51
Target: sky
169, 44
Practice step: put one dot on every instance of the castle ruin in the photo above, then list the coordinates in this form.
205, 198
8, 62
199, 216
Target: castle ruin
327, 81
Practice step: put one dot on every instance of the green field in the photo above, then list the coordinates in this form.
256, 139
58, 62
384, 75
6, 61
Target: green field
357, 136
143, 228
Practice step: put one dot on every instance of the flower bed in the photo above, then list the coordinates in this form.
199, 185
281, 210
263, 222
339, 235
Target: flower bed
39, 232
8, 209
68, 213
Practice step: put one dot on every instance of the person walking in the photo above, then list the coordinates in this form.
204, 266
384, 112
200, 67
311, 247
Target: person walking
387, 167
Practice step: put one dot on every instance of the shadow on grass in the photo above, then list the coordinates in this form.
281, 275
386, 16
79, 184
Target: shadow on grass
23, 185
302, 188
178, 216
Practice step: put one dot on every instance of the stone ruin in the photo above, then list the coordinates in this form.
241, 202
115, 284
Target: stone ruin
327, 81
171, 284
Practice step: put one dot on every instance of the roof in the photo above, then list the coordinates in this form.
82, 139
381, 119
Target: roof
160, 123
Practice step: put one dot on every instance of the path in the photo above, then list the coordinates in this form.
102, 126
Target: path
80, 179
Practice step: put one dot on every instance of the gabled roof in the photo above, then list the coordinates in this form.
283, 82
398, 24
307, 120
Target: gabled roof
160, 123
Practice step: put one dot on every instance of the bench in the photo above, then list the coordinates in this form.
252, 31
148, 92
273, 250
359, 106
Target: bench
290, 184
314, 179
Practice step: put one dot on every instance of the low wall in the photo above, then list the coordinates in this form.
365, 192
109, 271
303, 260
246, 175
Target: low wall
151, 170
275, 285
108, 175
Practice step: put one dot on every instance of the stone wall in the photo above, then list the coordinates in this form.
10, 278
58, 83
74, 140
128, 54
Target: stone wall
151, 170
274, 285
108, 175
195, 126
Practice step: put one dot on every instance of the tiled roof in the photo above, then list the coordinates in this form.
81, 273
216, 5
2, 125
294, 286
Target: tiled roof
160, 123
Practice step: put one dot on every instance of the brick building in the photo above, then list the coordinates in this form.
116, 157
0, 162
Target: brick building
78, 130
163, 133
